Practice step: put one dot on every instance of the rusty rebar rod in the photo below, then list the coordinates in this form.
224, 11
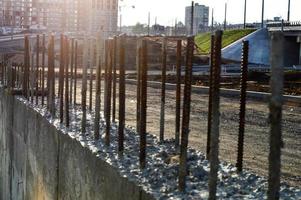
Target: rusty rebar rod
26, 67
66, 57
178, 94
275, 116
214, 139
138, 84
61, 79
51, 77
163, 87
209, 121
2, 69
108, 95
32, 77
37, 69
243, 97
121, 94
98, 93
114, 79
186, 114
84, 86
43, 68
72, 70
91, 65
143, 104
106, 63
91, 71
75, 71
109, 92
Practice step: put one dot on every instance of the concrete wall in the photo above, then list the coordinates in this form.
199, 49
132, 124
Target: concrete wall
39, 163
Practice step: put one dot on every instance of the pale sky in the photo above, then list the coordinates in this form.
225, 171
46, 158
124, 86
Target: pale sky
168, 10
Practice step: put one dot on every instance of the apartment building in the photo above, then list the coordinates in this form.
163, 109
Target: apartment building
91, 16
200, 18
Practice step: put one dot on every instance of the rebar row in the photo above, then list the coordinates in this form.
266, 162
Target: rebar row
37, 81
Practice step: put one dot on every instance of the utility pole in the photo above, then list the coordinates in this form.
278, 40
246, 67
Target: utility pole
289, 10
262, 14
192, 15
245, 14
225, 22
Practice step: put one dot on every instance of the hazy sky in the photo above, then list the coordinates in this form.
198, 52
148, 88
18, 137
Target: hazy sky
168, 10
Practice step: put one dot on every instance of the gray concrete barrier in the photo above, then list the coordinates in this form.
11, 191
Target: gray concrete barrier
40, 162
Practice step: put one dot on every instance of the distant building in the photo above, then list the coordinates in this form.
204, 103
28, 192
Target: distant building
98, 16
200, 19
89, 16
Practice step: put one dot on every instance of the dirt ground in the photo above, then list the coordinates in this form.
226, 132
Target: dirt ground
256, 131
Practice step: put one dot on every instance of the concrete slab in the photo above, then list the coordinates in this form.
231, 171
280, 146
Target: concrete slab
259, 48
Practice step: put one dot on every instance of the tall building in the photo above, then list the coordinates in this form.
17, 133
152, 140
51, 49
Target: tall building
15, 13
86, 16
200, 18
98, 16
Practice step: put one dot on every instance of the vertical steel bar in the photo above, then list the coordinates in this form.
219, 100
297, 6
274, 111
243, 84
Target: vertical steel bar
109, 92
178, 94
121, 94
138, 68
61, 80
275, 117
114, 79
143, 105
186, 114
51, 76
75, 71
214, 139
37, 69
209, 121
84, 85
40, 80
72, 70
243, 97
2, 68
66, 57
91, 65
32, 77
43, 68
16, 76
106, 64
98, 92
26, 67
163, 87
10, 75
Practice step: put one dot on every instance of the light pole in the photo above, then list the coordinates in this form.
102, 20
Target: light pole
120, 14
225, 22
289, 10
262, 14
245, 14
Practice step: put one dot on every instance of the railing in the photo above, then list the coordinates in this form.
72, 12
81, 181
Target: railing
284, 24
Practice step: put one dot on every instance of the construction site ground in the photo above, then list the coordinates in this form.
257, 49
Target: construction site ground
256, 145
